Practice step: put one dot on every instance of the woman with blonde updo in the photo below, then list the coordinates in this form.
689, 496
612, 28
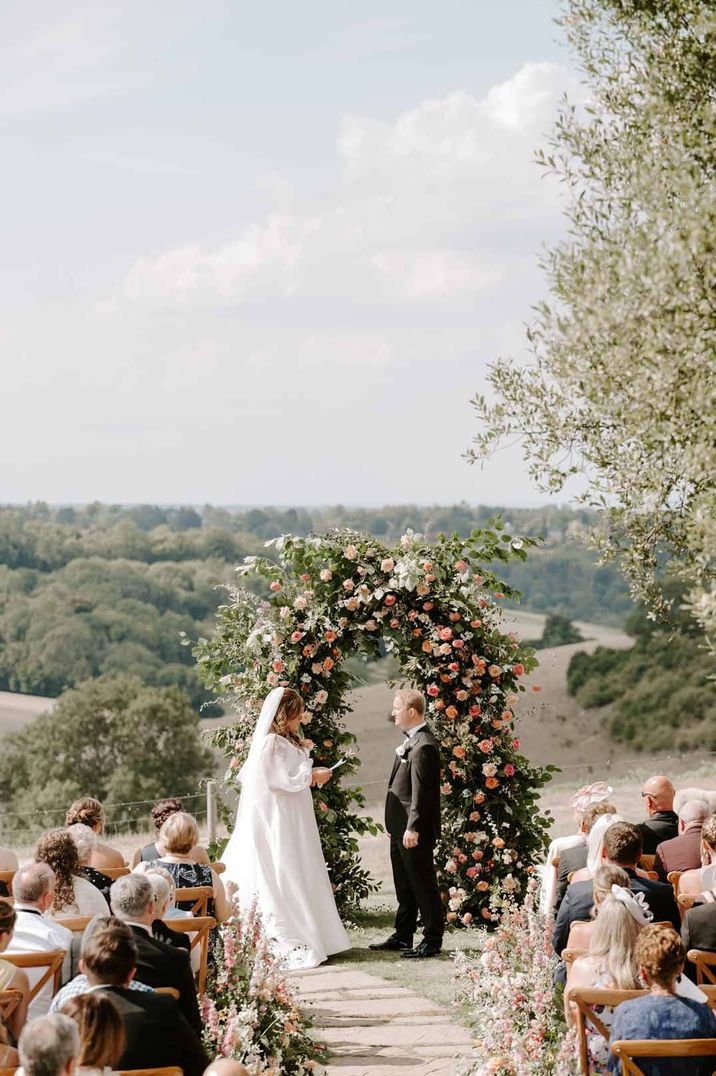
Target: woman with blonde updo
90, 812
661, 1013
275, 855
611, 960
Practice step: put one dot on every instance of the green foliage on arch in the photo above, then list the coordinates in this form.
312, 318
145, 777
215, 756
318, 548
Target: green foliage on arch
434, 605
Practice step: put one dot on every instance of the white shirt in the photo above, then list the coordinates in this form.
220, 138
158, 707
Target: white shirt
35, 934
415, 730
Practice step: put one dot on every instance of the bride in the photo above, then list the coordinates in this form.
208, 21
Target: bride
274, 855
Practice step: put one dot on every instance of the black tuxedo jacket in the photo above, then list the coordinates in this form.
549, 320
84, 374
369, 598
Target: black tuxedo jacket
413, 800
159, 964
579, 899
571, 859
157, 1033
661, 826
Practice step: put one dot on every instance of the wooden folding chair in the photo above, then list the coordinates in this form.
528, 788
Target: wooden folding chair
170, 1071
199, 895
570, 955
51, 961
627, 1049
673, 878
170, 990
647, 863
705, 964
201, 926
115, 872
218, 867
9, 1001
585, 998
76, 924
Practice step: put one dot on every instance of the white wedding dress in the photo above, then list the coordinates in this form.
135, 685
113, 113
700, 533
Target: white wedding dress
275, 855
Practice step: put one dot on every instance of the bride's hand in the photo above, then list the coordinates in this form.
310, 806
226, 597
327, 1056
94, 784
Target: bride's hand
320, 774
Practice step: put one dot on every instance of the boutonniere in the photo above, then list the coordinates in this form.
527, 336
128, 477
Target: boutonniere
403, 749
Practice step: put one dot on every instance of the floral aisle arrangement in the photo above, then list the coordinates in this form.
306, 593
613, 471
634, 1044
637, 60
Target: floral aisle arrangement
507, 996
248, 1011
435, 606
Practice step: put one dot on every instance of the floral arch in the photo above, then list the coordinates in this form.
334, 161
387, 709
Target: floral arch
434, 606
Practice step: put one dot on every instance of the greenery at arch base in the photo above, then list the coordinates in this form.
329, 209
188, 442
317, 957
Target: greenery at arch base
436, 607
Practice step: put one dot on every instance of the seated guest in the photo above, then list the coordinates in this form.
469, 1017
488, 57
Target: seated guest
74, 895
595, 847
12, 978
33, 888
86, 841
156, 1032
158, 964
179, 836
9, 1057
81, 984
102, 1040
683, 853
162, 810
580, 933
90, 812
701, 880
662, 823
574, 858
224, 1066
164, 889
8, 860
610, 963
49, 1047
622, 848
580, 801
661, 1014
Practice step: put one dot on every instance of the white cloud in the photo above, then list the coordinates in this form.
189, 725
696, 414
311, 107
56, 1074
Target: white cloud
429, 207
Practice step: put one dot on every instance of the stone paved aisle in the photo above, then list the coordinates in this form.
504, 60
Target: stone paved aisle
376, 1028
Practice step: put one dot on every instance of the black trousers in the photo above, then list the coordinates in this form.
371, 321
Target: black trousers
416, 888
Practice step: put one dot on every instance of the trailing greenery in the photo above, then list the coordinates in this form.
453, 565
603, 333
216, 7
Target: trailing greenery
659, 693
433, 605
113, 738
622, 389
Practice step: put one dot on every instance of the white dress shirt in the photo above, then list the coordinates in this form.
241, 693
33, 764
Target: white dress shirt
34, 933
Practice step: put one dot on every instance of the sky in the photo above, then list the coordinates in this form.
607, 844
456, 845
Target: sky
264, 253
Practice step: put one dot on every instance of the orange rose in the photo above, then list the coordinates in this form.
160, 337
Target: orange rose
458, 752
491, 782
483, 886
451, 712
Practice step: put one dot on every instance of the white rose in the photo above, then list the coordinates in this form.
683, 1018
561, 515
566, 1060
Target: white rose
300, 603
326, 575
387, 565
321, 698
350, 552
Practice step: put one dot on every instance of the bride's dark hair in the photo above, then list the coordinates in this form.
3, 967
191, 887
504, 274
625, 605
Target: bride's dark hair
290, 707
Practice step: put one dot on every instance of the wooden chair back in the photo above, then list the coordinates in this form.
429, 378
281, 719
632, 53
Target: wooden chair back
7, 877
705, 964
8, 1072
169, 1071
218, 867
51, 961
200, 927
570, 955
199, 895
75, 923
170, 990
115, 872
9, 1001
647, 862
627, 1049
652, 876
673, 878
585, 998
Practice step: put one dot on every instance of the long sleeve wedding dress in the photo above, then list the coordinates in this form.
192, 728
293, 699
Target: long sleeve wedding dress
275, 856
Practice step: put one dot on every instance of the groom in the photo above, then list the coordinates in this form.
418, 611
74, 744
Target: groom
412, 818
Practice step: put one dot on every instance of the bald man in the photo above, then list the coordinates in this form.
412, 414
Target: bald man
223, 1066
663, 823
683, 853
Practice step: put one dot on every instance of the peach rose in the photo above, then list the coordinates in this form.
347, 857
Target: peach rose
483, 886
387, 565
275, 586
458, 752
326, 575
491, 782
498, 842
495, 671
451, 712
445, 634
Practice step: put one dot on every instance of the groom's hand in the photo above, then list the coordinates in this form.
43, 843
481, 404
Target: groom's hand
320, 774
410, 839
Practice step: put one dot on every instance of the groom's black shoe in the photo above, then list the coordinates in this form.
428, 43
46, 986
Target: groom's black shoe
392, 943
420, 951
